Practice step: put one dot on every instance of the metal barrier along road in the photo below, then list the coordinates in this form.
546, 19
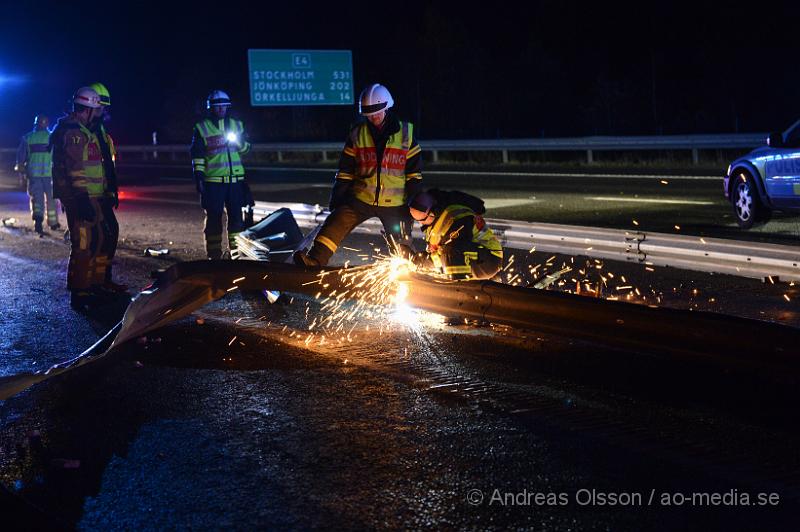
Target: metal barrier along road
741, 258
694, 143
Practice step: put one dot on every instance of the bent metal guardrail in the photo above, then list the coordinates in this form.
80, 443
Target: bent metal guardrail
743, 259
695, 143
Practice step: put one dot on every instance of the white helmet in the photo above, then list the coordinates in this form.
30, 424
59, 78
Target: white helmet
374, 99
87, 97
218, 97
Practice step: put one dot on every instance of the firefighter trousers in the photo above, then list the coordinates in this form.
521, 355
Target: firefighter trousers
341, 222
216, 200
112, 232
479, 262
40, 192
87, 259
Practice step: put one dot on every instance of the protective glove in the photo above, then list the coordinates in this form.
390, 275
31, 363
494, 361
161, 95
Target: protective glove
340, 193
422, 261
199, 182
84, 208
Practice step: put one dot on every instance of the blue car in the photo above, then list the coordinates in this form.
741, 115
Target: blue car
767, 179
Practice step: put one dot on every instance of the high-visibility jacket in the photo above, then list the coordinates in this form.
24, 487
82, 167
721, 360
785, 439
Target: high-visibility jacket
454, 236
109, 153
77, 160
380, 183
219, 160
34, 154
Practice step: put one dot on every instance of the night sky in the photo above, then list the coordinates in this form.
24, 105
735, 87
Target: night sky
531, 69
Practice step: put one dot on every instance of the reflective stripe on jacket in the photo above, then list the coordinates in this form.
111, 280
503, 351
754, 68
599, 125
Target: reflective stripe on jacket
77, 160
384, 185
215, 158
442, 234
39, 160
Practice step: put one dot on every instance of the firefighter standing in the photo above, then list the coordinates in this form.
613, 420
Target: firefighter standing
110, 200
460, 244
35, 161
378, 170
80, 183
217, 145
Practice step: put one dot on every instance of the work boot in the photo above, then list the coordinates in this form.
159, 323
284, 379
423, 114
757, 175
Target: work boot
83, 300
111, 286
37, 226
301, 258
105, 294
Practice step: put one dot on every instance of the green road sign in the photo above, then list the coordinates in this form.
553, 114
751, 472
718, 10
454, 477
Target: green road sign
300, 77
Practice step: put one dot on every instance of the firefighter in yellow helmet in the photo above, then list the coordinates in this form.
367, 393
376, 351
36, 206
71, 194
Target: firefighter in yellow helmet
379, 169
35, 161
79, 181
110, 199
459, 243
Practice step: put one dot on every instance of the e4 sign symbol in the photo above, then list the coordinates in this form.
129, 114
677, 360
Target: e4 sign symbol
301, 60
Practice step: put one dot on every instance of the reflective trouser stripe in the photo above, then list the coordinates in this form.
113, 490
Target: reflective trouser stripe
99, 270
232, 239
36, 210
327, 242
83, 243
470, 256
218, 199
40, 192
87, 260
456, 270
223, 179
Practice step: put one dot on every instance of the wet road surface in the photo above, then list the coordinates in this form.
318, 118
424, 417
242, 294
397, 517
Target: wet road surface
229, 419
681, 201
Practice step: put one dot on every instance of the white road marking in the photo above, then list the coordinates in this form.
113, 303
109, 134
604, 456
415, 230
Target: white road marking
652, 200
499, 203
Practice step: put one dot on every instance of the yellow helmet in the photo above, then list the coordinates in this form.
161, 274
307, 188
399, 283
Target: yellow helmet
102, 91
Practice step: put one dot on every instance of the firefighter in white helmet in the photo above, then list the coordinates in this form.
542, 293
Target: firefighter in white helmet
379, 169
218, 143
79, 181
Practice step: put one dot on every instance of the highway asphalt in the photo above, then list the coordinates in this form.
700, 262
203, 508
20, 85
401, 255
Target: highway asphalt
227, 419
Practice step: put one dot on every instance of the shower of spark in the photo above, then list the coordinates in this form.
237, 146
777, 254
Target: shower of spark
364, 296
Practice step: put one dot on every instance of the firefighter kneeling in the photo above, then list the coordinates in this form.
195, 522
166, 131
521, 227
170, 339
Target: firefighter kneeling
460, 244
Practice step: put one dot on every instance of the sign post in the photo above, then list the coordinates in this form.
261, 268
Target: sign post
300, 77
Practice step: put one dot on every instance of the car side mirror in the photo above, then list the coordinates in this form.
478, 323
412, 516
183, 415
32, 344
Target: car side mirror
775, 139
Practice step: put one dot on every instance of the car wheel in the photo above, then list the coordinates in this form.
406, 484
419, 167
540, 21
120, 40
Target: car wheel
747, 204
